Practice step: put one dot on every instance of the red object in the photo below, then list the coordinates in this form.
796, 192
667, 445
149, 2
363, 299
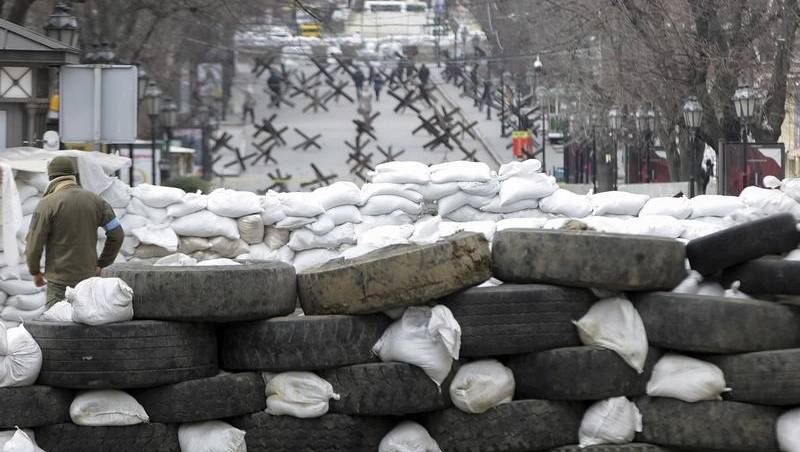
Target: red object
522, 144
758, 166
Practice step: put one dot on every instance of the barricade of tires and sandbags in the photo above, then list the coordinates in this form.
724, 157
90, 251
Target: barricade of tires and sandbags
542, 339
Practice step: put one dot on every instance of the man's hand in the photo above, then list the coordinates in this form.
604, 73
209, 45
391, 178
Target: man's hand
39, 280
98, 271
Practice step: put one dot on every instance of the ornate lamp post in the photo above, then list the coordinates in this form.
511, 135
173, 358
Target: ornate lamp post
152, 99
693, 117
614, 123
745, 100
62, 25
169, 115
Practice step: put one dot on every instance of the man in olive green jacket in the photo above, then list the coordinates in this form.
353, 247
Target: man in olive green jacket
65, 223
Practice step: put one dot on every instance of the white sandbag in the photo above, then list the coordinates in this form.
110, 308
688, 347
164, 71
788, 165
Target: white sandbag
487, 188
524, 168
343, 214
337, 194
615, 324
300, 204
18, 441
690, 284
304, 239
696, 228
26, 191
132, 221
233, 203
382, 189
788, 431
155, 215
617, 203
386, 204
468, 213
24, 227
400, 173
251, 229
525, 204
688, 379
20, 357
157, 195
792, 188
794, 255
611, 421
175, 260
206, 224
15, 272
106, 408
221, 261
98, 301
323, 225
408, 436
31, 302
291, 223
383, 236
259, 252
19, 287
308, 259
460, 171
564, 202
714, 205
426, 231
189, 203
272, 209
286, 254
535, 186
710, 289
30, 205
150, 252
226, 247
205, 255
433, 192
521, 223
769, 202
129, 244
276, 238
655, 225
188, 245
60, 312
118, 194
211, 436
460, 199
429, 338
119, 212
159, 235
481, 385
12, 314
298, 394
679, 208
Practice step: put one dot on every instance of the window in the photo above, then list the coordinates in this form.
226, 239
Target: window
416, 8
16, 83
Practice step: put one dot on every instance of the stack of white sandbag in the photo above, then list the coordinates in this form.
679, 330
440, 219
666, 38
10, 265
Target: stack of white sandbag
397, 189
327, 233
522, 186
145, 222
471, 186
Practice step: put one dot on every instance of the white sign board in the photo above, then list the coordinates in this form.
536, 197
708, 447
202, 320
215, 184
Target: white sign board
98, 104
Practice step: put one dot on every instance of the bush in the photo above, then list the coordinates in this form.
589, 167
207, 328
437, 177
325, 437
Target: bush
189, 184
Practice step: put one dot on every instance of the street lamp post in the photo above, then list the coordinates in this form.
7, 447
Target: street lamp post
745, 100
594, 121
614, 123
693, 117
152, 97
62, 25
538, 68
169, 113
204, 116
646, 125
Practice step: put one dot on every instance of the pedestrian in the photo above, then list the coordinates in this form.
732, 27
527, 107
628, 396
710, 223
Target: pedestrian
249, 106
358, 79
274, 84
486, 98
64, 225
473, 77
706, 175
377, 84
424, 75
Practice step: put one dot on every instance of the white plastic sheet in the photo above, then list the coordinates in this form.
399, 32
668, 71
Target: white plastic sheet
481, 385
429, 338
684, 378
106, 408
298, 394
615, 324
